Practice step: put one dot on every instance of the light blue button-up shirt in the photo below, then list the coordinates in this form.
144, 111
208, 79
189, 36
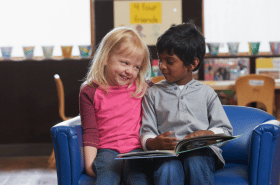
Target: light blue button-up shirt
196, 107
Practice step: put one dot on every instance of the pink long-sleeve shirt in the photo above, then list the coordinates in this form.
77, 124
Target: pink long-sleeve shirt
110, 119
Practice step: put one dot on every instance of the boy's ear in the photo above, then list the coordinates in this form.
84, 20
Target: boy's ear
194, 64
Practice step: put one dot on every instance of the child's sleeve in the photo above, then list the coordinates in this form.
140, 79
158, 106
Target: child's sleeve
87, 113
149, 120
218, 120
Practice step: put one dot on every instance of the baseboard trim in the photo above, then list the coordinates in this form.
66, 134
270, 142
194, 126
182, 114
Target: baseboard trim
31, 149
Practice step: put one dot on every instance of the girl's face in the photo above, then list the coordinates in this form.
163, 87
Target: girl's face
123, 68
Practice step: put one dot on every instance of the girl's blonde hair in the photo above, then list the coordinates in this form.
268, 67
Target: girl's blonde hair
111, 44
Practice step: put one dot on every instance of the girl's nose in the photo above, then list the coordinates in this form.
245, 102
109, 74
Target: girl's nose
129, 70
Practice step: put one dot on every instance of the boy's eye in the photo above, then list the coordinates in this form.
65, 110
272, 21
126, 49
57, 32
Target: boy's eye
169, 62
125, 63
137, 68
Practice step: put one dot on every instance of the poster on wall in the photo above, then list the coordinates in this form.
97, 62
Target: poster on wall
219, 69
268, 66
149, 18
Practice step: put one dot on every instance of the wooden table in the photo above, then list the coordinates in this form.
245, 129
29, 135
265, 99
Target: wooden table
229, 85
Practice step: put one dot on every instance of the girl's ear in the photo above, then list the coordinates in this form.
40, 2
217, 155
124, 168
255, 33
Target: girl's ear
194, 64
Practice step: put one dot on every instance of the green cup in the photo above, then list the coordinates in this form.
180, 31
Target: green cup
213, 48
254, 48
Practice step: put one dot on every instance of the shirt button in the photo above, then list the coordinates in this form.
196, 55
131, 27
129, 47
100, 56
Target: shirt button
175, 88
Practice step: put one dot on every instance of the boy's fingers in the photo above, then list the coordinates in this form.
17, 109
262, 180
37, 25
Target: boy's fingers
170, 140
166, 133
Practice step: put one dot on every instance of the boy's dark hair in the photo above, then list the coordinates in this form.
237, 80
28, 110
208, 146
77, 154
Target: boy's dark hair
185, 41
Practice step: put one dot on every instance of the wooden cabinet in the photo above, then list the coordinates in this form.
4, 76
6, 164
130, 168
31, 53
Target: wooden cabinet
29, 103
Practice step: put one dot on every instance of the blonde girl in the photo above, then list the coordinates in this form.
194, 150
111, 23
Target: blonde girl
110, 108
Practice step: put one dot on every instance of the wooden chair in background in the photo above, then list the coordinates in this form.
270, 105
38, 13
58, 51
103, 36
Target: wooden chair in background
61, 99
255, 88
61, 110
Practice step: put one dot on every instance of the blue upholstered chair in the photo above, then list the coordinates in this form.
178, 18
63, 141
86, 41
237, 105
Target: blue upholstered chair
250, 159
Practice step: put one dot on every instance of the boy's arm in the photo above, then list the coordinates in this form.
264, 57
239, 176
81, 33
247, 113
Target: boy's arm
149, 135
149, 122
218, 120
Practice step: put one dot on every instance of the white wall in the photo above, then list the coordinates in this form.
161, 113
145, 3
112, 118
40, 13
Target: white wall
242, 21
44, 22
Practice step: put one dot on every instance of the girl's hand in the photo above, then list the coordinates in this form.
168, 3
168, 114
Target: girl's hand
89, 154
89, 171
199, 133
162, 142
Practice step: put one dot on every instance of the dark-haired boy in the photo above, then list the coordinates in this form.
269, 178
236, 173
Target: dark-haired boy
181, 107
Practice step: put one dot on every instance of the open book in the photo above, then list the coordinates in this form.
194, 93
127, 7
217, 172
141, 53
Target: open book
182, 146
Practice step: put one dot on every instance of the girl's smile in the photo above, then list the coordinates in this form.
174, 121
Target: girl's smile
123, 68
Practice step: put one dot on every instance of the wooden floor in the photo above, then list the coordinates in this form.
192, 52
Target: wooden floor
26, 171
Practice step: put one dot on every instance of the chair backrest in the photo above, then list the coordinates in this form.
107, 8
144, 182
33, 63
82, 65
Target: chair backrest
157, 79
60, 95
255, 88
243, 120
67, 140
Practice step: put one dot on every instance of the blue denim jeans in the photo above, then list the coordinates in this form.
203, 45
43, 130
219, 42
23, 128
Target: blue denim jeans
194, 168
110, 171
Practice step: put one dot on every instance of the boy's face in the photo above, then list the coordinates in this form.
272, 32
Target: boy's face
173, 69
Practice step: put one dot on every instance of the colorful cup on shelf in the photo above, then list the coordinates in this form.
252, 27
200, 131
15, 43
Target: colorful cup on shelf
274, 48
233, 48
28, 52
6, 52
48, 51
213, 48
254, 48
85, 51
66, 51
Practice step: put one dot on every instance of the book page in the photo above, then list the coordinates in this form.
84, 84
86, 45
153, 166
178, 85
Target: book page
201, 141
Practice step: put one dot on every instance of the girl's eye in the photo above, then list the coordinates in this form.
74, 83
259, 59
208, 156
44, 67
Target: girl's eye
125, 63
137, 68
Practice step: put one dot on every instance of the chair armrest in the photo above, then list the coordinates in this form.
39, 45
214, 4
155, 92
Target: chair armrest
263, 142
68, 147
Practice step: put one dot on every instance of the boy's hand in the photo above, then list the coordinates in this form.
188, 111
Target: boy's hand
162, 142
199, 133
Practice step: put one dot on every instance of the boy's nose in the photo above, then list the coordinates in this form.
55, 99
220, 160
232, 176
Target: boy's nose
162, 66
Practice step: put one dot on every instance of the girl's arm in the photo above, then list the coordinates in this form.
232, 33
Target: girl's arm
89, 126
90, 154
